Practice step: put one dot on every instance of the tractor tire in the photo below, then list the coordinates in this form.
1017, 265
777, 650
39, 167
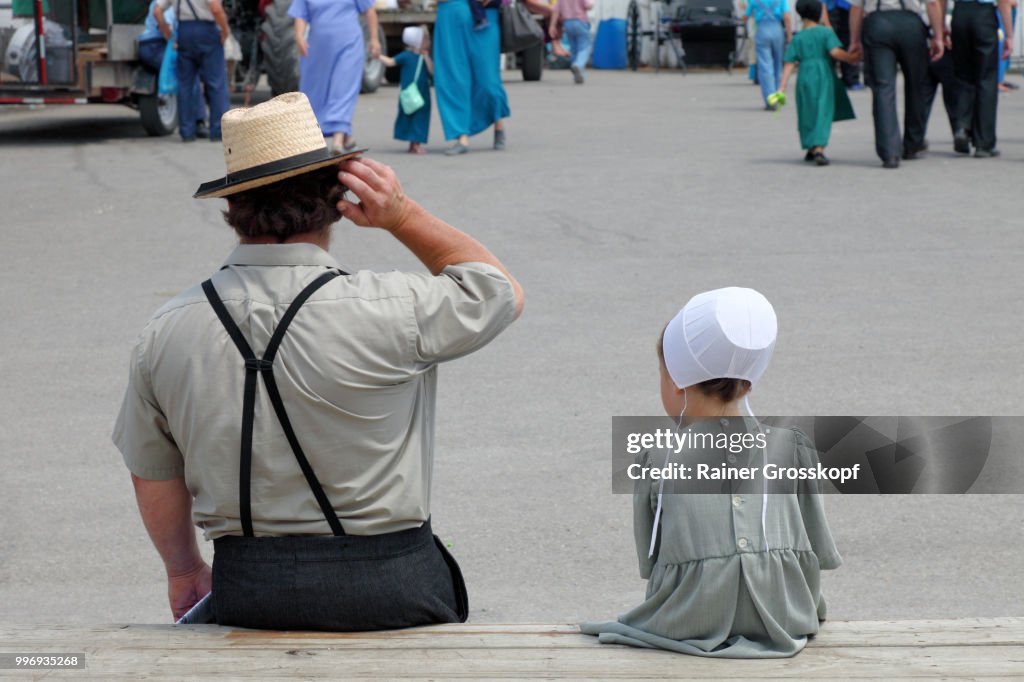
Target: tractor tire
280, 54
373, 71
159, 114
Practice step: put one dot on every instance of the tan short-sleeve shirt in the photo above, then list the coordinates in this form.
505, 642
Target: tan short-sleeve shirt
357, 371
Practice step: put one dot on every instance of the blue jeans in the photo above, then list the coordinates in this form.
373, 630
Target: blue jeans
578, 33
151, 54
770, 42
201, 54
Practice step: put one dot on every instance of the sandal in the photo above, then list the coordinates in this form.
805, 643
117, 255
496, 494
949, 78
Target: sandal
820, 159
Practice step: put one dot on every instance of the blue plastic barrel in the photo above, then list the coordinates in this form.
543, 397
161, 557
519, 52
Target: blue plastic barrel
610, 45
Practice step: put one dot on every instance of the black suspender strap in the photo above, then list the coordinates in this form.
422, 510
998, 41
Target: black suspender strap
265, 367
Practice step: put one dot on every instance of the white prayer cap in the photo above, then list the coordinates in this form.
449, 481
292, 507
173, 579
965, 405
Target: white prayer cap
412, 36
725, 333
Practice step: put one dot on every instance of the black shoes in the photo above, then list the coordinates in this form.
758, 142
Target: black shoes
910, 154
962, 142
894, 162
986, 153
809, 156
820, 159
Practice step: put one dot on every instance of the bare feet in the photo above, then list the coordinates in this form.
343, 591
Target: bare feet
416, 148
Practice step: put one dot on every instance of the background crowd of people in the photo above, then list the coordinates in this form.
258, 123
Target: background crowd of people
966, 51
968, 56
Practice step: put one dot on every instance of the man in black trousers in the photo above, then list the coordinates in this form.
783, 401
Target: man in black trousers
976, 62
895, 32
941, 73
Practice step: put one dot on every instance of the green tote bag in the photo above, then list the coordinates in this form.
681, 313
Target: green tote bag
411, 98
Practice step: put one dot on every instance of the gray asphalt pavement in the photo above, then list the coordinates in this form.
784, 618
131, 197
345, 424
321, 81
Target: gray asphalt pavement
898, 292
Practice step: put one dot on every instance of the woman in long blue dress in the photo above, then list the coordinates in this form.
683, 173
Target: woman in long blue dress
467, 74
333, 57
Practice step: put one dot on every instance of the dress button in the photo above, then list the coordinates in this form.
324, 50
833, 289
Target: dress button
737, 501
724, 421
742, 542
731, 459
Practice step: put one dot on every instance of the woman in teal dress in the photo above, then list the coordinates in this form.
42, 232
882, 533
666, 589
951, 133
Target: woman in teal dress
819, 101
467, 74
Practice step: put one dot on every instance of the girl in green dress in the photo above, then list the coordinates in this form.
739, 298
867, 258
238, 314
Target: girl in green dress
820, 100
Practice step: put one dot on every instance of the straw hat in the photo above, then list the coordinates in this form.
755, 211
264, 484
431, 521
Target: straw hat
271, 141
725, 333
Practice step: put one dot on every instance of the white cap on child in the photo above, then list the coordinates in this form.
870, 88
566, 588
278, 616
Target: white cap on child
412, 36
725, 333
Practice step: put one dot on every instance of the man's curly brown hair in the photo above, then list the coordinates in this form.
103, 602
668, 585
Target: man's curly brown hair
300, 204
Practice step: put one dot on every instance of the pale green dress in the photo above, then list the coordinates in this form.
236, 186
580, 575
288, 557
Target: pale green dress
713, 589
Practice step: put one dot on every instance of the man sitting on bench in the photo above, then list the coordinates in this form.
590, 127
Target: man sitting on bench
287, 408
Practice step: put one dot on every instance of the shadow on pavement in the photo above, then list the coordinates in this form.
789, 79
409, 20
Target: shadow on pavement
84, 123
45, 128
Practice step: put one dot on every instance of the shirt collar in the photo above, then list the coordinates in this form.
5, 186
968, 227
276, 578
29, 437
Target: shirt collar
280, 254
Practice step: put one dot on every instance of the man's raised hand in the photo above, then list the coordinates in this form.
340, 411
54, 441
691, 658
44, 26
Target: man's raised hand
382, 203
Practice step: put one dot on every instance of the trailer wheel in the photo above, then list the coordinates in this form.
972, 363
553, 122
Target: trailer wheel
159, 114
373, 71
532, 62
280, 54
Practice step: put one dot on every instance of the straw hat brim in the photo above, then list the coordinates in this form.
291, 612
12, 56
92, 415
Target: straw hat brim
270, 173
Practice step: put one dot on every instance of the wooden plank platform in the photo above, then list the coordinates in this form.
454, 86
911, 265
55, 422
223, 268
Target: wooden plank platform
963, 648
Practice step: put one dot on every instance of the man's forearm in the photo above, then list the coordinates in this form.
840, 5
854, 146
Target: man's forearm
438, 245
856, 19
937, 19
221, 18
166, 509
1006, 14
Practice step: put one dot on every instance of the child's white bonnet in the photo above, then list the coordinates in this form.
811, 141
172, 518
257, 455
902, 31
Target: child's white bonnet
412, 36
724, 333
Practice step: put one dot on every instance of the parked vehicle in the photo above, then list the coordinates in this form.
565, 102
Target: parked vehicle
53, 54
